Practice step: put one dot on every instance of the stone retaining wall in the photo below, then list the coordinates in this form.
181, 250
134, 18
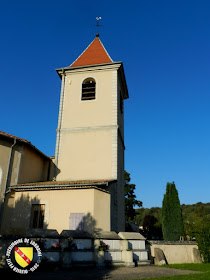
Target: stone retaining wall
174, 252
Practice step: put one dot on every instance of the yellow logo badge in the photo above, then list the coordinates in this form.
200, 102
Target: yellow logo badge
23, 255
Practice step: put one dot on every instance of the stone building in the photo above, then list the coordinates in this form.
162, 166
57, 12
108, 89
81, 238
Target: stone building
20, 162
83, 186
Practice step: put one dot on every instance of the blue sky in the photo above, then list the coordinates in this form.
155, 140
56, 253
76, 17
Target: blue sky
164, 46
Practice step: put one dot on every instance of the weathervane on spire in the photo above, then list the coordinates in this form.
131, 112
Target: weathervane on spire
98, 25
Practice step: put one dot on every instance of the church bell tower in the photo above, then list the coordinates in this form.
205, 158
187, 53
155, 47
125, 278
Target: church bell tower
90, 133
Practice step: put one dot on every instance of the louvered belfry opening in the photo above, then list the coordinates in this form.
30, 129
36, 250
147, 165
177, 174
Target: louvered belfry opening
88, 89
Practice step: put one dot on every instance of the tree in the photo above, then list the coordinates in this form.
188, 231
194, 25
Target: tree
172, 222
202, 236
151, 227
130, 198
200, 230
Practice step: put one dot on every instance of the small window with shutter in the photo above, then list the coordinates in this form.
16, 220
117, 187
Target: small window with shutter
37, 215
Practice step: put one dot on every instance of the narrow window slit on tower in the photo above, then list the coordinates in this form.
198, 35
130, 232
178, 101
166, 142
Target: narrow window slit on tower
88, 89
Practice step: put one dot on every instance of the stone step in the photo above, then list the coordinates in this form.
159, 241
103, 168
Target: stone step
114, 263
145, 262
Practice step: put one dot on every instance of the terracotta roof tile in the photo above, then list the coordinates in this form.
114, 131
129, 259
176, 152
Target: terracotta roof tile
14, 137
95, 53
61, 183
2, 133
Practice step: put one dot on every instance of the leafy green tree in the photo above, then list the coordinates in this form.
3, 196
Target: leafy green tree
194, 216
202, 236
149, 223
172, 222
151, 227
142, 212
130, 198
200, 230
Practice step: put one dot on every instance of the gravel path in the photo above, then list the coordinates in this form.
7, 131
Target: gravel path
120, 273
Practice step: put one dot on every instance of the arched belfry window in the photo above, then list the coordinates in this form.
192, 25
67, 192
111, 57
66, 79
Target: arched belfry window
88, 89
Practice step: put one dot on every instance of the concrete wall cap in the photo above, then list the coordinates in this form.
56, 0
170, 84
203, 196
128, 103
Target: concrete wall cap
44, 233
107, 235
76, 234
131, 236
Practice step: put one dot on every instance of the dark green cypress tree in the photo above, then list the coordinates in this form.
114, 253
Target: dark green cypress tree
172, 222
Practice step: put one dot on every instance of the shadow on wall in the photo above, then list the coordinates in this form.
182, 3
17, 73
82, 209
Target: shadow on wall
25, 213
53, 171
17, 220
22, 214
86, 223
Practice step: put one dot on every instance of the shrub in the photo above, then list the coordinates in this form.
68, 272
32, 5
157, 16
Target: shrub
203, 240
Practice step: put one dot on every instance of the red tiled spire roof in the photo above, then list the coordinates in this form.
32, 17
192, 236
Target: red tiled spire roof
95, 53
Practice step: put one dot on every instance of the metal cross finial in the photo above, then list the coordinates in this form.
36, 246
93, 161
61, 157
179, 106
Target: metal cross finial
98, 25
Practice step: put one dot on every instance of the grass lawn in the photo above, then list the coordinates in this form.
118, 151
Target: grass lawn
205, 267
202, 267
